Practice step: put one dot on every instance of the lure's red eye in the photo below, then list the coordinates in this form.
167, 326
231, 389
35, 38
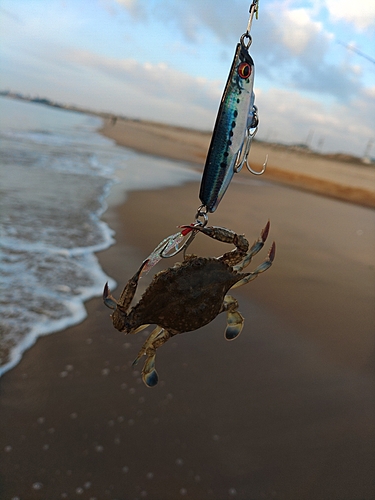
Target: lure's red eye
244, 70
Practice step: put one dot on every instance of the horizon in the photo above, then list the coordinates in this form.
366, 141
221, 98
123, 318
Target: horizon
301, 146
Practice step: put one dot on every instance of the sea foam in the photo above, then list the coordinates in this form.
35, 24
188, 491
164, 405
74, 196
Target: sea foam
56, 173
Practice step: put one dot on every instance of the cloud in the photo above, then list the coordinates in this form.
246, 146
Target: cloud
290, 48
158, 79
169, 95
136, 8
286, 116
298, 31
361, 15
10, 15
190, 17
224, 20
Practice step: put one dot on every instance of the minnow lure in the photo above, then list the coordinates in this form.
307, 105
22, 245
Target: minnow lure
235, 127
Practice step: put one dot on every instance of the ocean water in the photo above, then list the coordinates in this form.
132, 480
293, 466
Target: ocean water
55, 175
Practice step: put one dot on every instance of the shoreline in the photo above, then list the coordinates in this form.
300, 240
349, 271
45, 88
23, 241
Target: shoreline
341, 180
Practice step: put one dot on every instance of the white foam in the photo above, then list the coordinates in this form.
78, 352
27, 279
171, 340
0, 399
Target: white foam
77, 311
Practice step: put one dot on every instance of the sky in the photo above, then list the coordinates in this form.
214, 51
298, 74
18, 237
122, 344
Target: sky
168, 61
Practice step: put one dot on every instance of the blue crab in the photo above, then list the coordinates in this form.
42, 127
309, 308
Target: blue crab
188, 295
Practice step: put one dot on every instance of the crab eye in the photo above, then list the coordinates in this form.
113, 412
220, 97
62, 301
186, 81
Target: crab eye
244, 70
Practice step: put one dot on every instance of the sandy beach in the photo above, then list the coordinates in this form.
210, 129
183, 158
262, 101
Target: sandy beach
343, 180
286, 411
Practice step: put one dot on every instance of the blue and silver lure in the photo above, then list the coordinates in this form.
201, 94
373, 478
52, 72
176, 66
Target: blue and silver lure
235, 127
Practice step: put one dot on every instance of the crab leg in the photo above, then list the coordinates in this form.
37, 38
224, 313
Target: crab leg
260, 269
129, 291
226, 236
235, 320
256, 247
155, 332
140, 328
149, 374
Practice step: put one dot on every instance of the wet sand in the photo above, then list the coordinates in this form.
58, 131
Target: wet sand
286, 411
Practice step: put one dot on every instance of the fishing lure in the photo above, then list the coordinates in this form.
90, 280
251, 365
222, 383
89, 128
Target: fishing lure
235, 127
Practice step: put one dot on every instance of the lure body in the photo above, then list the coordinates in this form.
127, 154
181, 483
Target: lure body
235, 116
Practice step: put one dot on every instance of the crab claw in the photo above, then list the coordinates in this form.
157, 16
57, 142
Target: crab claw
268, 262
272, 252
108, 300
265, 231
258, 244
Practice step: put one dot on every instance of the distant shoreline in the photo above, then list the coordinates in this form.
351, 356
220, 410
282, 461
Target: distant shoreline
113, 117
340, 176
315, 173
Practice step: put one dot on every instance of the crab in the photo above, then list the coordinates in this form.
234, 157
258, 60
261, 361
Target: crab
188, 295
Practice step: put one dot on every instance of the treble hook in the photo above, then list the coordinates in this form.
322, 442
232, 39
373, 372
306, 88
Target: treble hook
250, 134
164, 252
174, 240
245, 158
250, 169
